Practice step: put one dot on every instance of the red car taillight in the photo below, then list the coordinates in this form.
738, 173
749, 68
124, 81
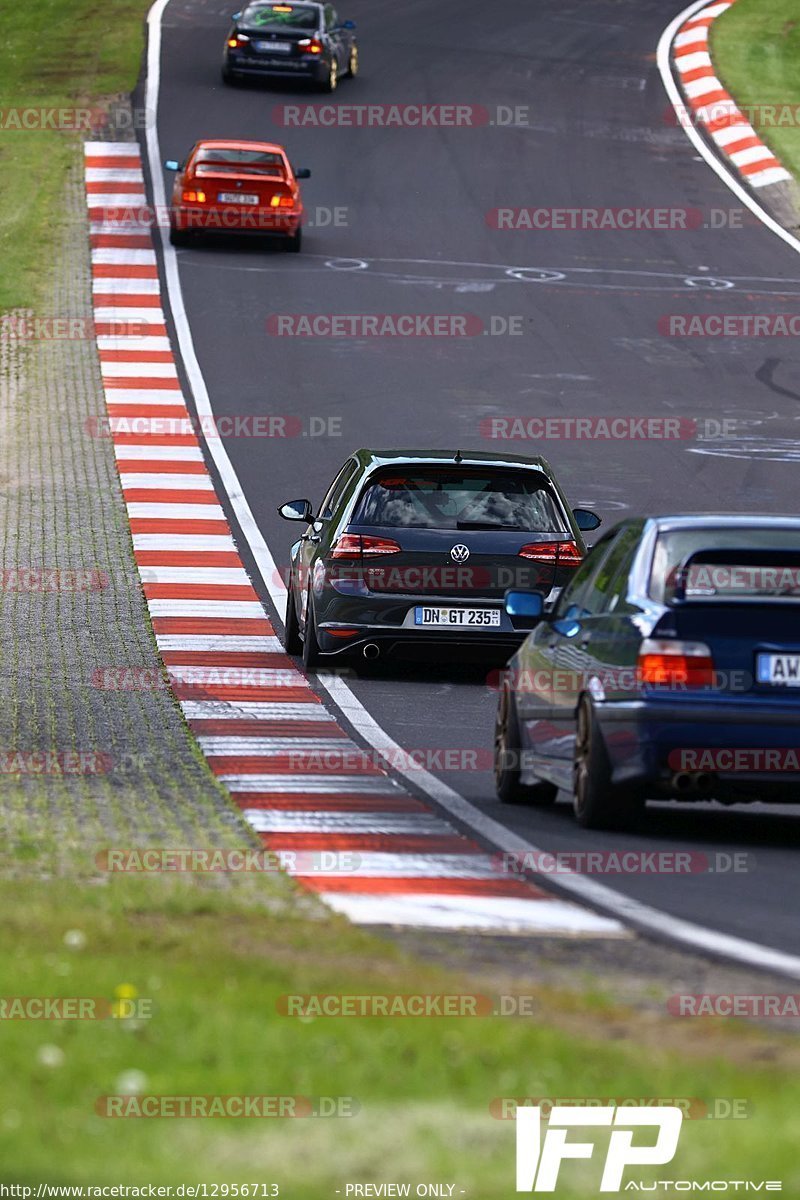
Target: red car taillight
566, 554
664, 663
281, 202
311, 46
194, 197
353, 546
241, 39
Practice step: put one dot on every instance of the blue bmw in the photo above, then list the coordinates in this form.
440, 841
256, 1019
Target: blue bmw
668, 668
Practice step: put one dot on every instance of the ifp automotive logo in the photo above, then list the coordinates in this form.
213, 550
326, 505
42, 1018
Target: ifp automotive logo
539, 1159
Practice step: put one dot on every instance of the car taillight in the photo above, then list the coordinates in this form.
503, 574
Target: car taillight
355, 545
566, 554
664, 663
311, 46
282, 202
194, 197
239, 40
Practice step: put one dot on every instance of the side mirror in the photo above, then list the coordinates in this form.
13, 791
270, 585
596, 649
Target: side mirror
236, 16
302, 173
529, 606
587, 520
348, 24
297, 510
172, 164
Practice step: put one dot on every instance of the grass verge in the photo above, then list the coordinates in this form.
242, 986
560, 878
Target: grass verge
756, 50
215, 965
60, 60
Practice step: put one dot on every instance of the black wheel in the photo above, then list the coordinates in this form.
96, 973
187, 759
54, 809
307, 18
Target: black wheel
292, 641
508, 756
294, 244
352, 61
311, 652
178, 237
596, 804
331, 83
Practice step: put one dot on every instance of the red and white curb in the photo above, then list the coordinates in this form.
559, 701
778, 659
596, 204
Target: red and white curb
714, 109
264, 732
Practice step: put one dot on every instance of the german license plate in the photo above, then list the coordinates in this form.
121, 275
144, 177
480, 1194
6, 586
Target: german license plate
237, 198
272, 47
781, 670
458, 618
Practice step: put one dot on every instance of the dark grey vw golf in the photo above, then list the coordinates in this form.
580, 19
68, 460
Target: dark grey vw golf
413, 549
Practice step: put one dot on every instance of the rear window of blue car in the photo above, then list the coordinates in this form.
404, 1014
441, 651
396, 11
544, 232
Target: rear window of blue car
461, 499
735, 578
280, 16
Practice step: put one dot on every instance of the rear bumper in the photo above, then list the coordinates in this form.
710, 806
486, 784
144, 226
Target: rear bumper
312, 69
259, 222
397, 640
695, 750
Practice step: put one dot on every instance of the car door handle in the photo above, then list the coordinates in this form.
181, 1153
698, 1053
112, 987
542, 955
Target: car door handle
311, 537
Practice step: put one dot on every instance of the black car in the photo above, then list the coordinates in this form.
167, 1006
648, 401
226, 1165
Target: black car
304, 41
413, 548
668, 668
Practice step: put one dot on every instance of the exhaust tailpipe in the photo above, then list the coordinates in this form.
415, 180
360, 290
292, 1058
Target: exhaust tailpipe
371, 651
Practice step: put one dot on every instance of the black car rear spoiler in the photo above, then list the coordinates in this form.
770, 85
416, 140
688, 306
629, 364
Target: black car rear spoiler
778, 559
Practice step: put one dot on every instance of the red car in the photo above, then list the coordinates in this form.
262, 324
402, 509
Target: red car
236, 187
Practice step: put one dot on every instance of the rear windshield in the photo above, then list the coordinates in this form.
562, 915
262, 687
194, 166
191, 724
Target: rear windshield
280, 16
461, 499
229, 161
735, 578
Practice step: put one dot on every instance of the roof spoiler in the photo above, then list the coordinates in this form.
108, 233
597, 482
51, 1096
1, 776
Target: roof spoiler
713, 556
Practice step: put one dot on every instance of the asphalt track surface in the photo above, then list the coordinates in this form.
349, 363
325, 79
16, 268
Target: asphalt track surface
414, 207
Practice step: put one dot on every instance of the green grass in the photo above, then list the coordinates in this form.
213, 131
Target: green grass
756, 49
57, 54
215, 965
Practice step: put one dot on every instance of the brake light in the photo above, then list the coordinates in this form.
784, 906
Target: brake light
311, 46
282, 202
675, 664
355, 545
566, 554
194, 197
239, 40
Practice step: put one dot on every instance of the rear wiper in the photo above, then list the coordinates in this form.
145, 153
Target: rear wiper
487, 525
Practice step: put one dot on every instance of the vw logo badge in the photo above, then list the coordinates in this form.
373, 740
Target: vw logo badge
459, 553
